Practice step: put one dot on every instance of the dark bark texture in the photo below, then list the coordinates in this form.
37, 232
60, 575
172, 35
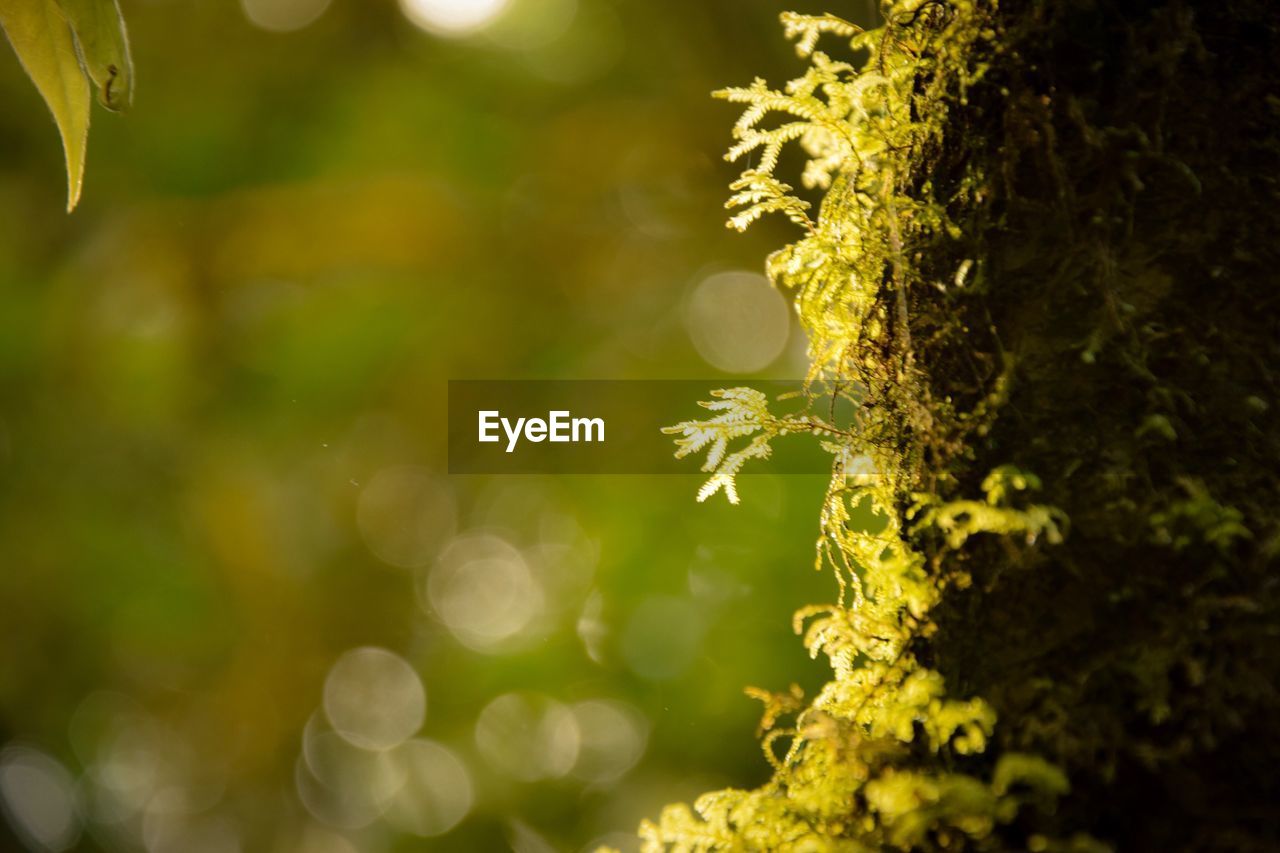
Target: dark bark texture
1125, 225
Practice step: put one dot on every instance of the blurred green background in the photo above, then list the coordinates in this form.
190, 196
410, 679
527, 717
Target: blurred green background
242, 606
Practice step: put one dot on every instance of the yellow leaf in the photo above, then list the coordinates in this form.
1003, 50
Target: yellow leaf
45, 46
104, 49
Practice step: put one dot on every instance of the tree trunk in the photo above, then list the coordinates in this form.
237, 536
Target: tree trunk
1130, 234
1046, 258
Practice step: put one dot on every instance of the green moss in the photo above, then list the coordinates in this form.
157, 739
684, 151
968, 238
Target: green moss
1045, 243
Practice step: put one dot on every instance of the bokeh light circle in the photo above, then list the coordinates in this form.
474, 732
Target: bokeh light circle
737, 321
344, 806
528, 736
452, 17
38, 795
316, 839
282, 16
437, 792
374, 699
483, 591
611, 739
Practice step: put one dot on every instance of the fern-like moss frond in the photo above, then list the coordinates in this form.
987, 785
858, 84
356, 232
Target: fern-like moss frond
852, 777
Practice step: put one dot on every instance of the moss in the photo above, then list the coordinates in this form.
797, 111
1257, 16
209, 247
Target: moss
1043, 269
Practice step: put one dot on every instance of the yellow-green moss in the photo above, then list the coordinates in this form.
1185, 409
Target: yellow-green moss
1042, 268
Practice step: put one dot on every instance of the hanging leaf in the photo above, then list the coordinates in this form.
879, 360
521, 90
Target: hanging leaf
103, 44
45, 46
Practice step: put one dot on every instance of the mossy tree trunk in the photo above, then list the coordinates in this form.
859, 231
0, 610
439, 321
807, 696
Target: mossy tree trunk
1128, 237
1044, 269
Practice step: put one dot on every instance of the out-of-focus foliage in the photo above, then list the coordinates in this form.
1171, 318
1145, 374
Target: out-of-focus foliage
225, 522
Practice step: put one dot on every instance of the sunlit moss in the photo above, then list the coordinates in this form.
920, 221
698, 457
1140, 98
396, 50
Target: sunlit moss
844, 782
984, 281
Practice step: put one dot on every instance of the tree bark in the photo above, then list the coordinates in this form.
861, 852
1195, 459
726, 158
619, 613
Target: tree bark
1125, 233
